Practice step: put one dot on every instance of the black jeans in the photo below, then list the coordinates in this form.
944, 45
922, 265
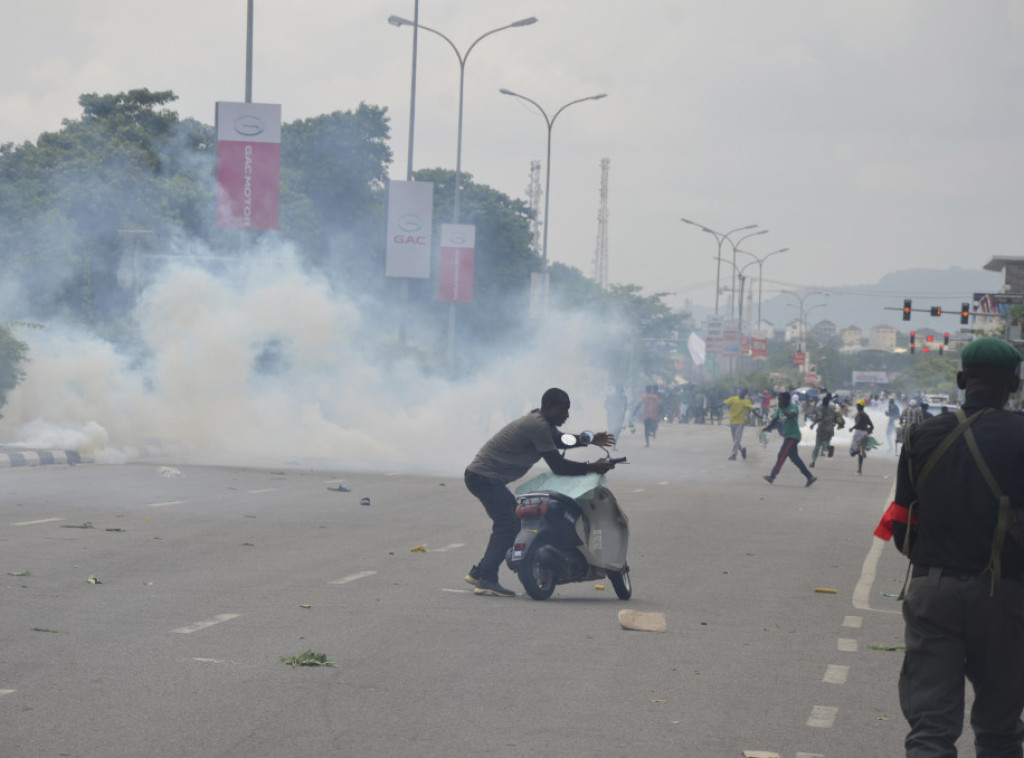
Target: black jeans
500, 505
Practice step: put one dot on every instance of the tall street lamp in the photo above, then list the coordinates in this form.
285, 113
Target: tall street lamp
720, 238
399, 21
760, 274
547, 181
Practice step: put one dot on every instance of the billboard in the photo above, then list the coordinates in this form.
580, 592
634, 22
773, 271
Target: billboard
248, 165
455, 277
410, 226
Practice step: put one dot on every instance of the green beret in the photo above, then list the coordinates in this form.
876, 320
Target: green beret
990, 351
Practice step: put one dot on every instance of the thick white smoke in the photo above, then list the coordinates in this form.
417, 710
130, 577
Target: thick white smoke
264, 363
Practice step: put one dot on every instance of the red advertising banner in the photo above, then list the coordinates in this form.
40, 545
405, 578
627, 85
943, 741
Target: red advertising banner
758, 347
799, 359
455, 276
248, 165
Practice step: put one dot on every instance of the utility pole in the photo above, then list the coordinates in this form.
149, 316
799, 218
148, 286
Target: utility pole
601, 253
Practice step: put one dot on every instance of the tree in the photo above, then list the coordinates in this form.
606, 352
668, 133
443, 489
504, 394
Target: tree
13, 353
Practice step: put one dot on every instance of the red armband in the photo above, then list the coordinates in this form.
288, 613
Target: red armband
895, 514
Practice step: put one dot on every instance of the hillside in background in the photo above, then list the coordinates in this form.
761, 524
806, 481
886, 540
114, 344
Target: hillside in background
864, 305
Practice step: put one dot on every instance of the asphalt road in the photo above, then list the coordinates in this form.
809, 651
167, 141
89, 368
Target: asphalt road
205, 580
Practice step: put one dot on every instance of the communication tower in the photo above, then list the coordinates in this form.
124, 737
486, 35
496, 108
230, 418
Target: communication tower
601, 251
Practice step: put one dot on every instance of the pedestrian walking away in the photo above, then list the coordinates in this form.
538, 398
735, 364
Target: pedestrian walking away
862, 428
739, 406
507, 456
650, 405
956, 509
788, 414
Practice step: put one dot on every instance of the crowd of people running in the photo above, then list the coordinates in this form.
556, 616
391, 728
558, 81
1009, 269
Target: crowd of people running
821, 411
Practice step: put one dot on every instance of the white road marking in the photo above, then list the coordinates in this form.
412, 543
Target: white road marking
446, 548
862, 592
39, 521
6, 692
169, 502
260, 492
822, 716
208, 660
810, 755
353, 577
846, 645
662, 484
836, 674
854, 622
639, 490
205, 624
445, 589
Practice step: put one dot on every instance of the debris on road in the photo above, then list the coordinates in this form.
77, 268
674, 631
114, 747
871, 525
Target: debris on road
826, 590
419, 548
167, 472
365, 501
86, 525
642, 621
93, 580
18, 573
308, 658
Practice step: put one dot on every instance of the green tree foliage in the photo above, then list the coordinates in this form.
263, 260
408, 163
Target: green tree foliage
13, 353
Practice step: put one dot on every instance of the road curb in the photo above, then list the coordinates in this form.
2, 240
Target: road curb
41, 458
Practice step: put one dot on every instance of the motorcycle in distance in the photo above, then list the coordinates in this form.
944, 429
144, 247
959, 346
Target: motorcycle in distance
571, 530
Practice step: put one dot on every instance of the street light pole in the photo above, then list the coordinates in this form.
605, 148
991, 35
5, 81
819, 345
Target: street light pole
736, 244
547, 180
462, 57
720, 238
760, 275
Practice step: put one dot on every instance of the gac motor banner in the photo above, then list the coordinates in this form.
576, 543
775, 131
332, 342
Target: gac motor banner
455, 276
410, 215
248, 165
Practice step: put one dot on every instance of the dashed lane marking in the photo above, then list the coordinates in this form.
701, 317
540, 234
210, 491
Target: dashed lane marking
352, 577
822, 716
853, 622
836, 674
260, 492
206, 624
6, 692
37, 521
446, 548
169, 502
810, 755
846, 645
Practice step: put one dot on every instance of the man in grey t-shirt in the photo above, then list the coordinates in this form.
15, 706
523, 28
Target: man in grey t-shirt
506, 457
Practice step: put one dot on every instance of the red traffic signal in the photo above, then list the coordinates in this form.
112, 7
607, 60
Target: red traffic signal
913, 335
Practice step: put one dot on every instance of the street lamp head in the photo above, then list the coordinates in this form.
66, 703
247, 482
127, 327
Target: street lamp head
508, 92
524, 21
399, 21
598, 97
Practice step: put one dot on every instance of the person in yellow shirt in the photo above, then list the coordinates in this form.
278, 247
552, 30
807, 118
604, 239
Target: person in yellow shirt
739, 406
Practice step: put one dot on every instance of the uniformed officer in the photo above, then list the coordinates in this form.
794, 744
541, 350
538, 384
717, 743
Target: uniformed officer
964, 606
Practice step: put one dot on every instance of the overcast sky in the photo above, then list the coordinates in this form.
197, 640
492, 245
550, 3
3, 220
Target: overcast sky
866, 136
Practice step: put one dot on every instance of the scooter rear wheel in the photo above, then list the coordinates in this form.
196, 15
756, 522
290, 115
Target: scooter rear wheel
620, 581
537, 579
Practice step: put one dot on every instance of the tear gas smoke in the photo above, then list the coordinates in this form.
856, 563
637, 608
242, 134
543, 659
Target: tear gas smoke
267, 364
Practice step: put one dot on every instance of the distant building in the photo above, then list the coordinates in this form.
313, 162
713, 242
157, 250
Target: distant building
824, 330
1012, 273
882, 337
852, 336
794, 330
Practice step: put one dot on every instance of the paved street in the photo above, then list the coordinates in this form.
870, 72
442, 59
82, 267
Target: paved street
204, 580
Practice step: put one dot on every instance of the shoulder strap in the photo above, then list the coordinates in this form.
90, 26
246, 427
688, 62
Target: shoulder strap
1003, 522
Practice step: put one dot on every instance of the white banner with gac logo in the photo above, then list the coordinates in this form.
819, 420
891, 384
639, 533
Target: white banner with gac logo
410, 212
248, 165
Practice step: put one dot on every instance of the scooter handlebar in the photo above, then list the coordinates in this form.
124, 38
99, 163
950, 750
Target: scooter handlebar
614, 461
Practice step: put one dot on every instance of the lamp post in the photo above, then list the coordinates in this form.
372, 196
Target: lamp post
721, 238
547, 180
760, 274
399, 21
803, 319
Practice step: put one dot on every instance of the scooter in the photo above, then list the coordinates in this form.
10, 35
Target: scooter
571, 530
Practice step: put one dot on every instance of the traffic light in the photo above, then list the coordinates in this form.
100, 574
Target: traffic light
928, 343
912, 336
936, 310
965, 311
906, 310
945, 342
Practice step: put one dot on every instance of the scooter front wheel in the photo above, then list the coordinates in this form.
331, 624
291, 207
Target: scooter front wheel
620, 581
537, 579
